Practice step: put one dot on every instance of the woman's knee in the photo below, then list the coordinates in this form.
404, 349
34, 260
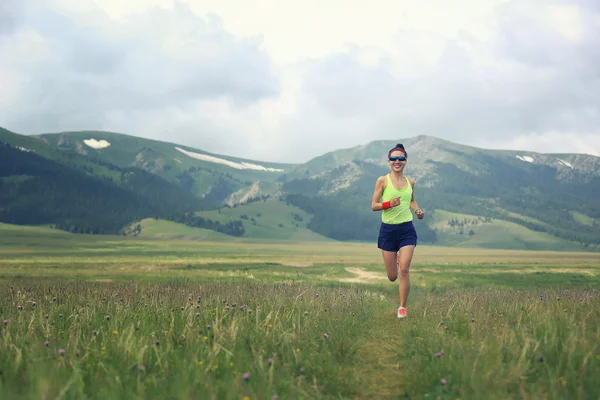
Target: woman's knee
392, 277
404, 271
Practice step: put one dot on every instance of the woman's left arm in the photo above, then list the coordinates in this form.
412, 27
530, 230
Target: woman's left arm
413, 203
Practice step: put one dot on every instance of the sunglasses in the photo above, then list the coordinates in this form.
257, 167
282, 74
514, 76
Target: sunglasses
399, 158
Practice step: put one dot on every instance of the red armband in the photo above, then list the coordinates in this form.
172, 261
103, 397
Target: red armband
386, 205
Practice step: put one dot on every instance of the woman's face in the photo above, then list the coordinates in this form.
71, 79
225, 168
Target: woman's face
397, 161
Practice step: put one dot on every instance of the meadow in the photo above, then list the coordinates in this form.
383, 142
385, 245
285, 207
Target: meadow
111, 317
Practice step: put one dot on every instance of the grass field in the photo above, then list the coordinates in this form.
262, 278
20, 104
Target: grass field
113, 317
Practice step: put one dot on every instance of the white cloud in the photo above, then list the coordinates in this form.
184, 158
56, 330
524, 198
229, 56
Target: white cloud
549, 142
287, 80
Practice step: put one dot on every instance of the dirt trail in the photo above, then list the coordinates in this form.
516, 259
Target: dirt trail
382, 374
363, 276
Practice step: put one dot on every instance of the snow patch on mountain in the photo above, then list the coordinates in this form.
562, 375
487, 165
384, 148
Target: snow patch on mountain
232, 164
565, 163
525, 158
96, 144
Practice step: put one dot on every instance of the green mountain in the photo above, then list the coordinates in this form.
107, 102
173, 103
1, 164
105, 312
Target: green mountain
203, 174
70, 192
473, 197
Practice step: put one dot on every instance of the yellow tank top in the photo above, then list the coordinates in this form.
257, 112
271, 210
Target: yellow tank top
401, 213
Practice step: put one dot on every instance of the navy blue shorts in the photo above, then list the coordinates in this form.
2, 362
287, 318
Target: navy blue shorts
394, 236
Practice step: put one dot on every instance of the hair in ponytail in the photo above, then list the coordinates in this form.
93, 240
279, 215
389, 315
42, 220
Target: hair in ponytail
398, 147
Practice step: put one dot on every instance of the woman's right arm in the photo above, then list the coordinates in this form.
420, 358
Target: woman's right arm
379, 186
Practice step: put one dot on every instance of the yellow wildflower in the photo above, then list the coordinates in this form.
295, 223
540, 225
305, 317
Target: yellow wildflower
563, 381
115, 332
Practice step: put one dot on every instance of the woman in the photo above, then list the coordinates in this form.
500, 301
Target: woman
394, 194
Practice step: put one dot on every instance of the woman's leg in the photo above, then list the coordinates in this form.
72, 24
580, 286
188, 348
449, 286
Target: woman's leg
389, 258
404, 259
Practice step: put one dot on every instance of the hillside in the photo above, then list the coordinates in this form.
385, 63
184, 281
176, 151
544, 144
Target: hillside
203, 174
35, 190
534, 200
553, 194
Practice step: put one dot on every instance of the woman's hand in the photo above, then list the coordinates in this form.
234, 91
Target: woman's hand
420, 214
395, 202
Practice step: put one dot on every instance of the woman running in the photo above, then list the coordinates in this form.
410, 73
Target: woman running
394, 194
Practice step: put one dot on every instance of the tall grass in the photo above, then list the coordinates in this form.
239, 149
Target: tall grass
92, 340
503, 344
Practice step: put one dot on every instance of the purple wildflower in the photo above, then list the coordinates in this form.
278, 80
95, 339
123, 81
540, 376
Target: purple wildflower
269, 361
302, 370
305, 312
445, 328
46, 316
157, 342
438, 355
62, 352
540, 358
199, 298
5, 321
472, 319
59, 315
190, 298
316, 294
249, 311
94, 332
209, 326
325, 335
107, 317
19, 307
33, 303
182, 308
46, 343
246, 376
197, 314
443, 381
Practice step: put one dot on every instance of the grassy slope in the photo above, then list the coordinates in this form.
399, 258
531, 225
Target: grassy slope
268, 215
495, 234
30, 232
584, 219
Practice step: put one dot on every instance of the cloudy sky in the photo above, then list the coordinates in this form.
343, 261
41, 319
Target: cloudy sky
280, 80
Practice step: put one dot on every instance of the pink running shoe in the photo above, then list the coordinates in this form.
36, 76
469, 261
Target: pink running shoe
402, 312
